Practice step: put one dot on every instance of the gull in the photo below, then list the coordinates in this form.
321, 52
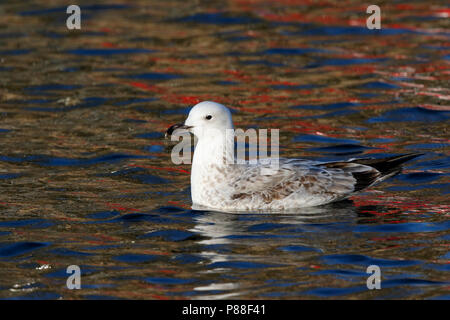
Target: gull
218, 183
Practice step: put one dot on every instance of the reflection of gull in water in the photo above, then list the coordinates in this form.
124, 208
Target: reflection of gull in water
228, 286
215, 227
280, 184
221, 233
218, 227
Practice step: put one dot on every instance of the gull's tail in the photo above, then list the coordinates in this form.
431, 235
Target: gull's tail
368, 172
388, 166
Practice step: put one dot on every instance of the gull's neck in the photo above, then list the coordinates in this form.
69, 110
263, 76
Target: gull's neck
215, 150
213, 155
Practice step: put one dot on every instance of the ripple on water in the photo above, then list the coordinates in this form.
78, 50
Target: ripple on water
414, 227
62, 10
62, 272
420, 177
153, 76
412, 114
185, 258
69, 253
242, 265
334, 292
60, 161
342, 149
44, 88
33, 223
90, 102
103, 214
140, 175
168, 281
130, 218
107, 51
411, 282
100, 297
298, 248
323, 139
15, 52
218, 18
379, 85
329, 106
342, 273
38, 295
171, 235
357, 259
18, 248
308, 29
266, 226
135, 258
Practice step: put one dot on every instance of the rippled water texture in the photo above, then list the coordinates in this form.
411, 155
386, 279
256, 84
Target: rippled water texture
86, 176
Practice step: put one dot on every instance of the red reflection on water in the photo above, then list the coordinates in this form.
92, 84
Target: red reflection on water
109, 45
179, 204
119, 207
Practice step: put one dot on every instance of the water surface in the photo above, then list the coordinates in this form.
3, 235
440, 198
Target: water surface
86, 176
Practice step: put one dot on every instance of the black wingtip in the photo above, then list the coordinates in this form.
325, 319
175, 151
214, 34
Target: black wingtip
392, 164
398, 160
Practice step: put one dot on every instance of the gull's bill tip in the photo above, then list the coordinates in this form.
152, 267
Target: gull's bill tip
176, 126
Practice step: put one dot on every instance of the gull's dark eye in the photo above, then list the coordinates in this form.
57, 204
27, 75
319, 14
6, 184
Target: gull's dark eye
208, 117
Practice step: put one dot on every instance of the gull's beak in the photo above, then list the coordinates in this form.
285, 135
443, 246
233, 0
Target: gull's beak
176, 127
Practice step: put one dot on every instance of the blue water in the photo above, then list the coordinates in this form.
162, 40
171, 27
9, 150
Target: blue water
87, 177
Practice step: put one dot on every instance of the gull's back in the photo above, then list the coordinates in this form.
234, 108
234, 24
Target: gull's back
294, 183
